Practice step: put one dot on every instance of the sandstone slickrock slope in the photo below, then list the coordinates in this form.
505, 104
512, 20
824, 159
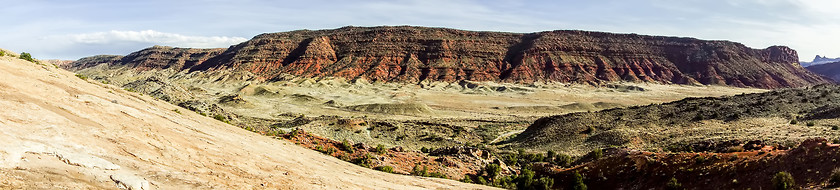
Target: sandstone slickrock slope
61, 132
413, 54
830, 70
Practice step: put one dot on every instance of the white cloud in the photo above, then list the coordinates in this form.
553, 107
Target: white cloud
154, 37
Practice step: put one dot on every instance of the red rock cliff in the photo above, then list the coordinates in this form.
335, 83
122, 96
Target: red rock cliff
413, 54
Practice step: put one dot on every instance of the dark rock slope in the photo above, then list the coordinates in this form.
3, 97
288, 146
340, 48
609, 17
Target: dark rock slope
413, 54
830, 70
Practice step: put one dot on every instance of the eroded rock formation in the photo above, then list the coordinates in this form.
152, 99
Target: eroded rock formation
413, 54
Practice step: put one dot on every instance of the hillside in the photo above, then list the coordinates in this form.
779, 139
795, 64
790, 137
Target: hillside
778, 117
63, 132
416, 54
830, 70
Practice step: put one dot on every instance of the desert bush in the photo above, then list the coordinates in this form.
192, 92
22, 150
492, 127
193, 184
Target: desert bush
467, 179
380, 149
544, 183
363, 161
700, 159
563, 160
673, 184
810, 123
510, 159
783, 181
81, 76
26, 56
492, 170
577, 182
345, 145
388, 169
221, 118
437, 175
418, 171
294, 133
793, 122
424, 150
525, 179
481, 180
597, 153
2, 53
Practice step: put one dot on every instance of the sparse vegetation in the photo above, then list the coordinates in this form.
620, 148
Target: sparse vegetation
81, 76
221, 118
345, 145
388, 169
673, 184
577, 182
380, 149
597, 153
783, 181
492, 170
27, 57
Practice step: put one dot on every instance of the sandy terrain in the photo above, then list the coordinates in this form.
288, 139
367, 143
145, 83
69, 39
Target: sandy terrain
60, 132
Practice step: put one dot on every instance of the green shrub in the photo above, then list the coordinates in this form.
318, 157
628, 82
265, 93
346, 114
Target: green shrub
673, 184
492, 170
346, 146
549, 156
544, 183
783, 181
221, 118
597, 153
525, 179
388, 169
510, 159
700, 159
2, 53
26, 56
793, 122
810, 123
437, 175
577, 182
467, 179
481, 180
330, 151
419, 172
294, 133
380, 149
424, 150
563, 160
81, 76
835, 127
363, 161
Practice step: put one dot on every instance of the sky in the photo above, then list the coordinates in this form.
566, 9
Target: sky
60, 29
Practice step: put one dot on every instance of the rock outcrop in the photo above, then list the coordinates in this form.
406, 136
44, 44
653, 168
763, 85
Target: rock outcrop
414, 54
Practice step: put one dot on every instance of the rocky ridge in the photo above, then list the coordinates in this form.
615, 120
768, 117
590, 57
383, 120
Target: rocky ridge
415, 54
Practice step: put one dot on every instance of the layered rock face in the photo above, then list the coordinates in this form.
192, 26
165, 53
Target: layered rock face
414, 54
157, 57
